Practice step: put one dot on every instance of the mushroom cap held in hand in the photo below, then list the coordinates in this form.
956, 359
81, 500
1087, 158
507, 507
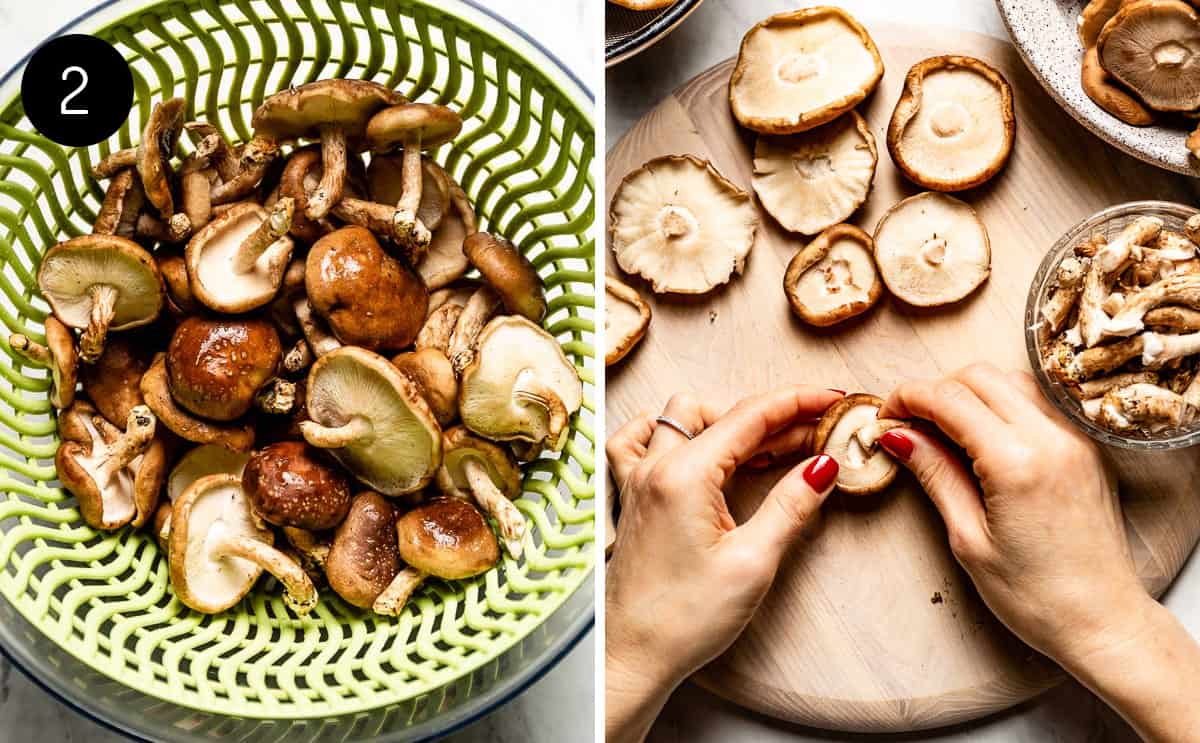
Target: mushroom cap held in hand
864, 468
677, 223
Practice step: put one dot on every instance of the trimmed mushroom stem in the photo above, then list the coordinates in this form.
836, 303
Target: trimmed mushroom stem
1192, 228
298, 358
1177, 290
30, 350
869, 434
333, 172
1158, 349
299, 592
1191, 395
355, 429
1143, 405
480, 308
277, 397
275, 226
530, 390
128, 446
395, 597
104, 301
115, 162
1100, 387
488, 496
1070, 283
439, 328
1103, 359
320, 340
1107, 265
411, 231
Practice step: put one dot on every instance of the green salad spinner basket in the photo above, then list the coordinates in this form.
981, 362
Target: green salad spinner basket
91, 616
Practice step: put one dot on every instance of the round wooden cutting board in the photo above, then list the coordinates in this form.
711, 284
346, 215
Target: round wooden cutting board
871, 625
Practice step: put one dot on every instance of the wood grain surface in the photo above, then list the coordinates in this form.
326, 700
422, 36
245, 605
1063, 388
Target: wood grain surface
871, 625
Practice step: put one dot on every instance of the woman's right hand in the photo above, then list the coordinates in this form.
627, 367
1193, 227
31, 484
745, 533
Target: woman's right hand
1039, 526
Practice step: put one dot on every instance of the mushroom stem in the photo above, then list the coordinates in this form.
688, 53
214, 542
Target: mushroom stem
320, 340
128, 446
356, 429
275, 226
174, 230
308, 545
104, 301
30, 350
300, 594
411, 231
219, 154
488, 496
395, 597
333, 172
529, 389
298, 358
480, 308
1192, 228
277, 397
115, 162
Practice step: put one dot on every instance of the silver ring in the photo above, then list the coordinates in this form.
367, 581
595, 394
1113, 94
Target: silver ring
672, 423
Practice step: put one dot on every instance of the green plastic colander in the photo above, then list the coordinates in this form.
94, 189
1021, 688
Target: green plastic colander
91, 615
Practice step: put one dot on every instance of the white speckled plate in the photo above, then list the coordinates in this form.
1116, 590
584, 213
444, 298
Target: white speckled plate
1044, 33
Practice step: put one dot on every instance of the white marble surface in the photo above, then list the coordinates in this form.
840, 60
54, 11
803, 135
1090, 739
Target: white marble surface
1069, 714
558, 708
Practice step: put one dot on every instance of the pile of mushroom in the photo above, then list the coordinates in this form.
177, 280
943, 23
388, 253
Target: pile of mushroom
281, 354
1142, 61
1121, 327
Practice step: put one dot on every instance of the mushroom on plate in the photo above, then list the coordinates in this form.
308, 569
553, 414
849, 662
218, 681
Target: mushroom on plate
156, 391
414, 127
800, 69
215, 366
488, 475
447, 538
334, 111
816, 179
833, 278
58, 355
368, 298
1108, 94
432, 373
365, 555
520, 386
373, 420
849, 432
115, 475
290, 483
100, 283
626, 318
1153, 48
679, 224
218, 550
236, 262
1092, 18
953, 127
932, 250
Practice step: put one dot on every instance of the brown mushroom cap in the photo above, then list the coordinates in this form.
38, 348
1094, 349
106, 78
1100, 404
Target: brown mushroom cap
113, 381
425, 125
430, 370
800, 69
154, 153
678, 223
123, 202
1108, 94
215, 366
172, 266
626, 318
1092, 18
100, 283
300, 112
487, 474
864, 467
157, 393
293, 484
448, 538
445, 262
213, 256
301, 174
816, 179
365, 555
953, 127
1153, 48
58, 355
369, 298
510, 274
834, 277
932, 250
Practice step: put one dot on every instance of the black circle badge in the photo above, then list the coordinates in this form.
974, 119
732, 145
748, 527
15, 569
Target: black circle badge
77, 90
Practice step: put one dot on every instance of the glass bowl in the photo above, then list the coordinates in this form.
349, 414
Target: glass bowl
1108, 222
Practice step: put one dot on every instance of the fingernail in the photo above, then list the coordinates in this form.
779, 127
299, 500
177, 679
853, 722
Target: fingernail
821, 473
897, 444
840, 392
761, 461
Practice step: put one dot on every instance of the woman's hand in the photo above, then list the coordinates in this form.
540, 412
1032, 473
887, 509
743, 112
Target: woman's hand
685, 579
1039, 530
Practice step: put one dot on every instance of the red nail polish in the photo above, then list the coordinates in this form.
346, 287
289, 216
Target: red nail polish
760, 461
821, 472
840, 392
897, 444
